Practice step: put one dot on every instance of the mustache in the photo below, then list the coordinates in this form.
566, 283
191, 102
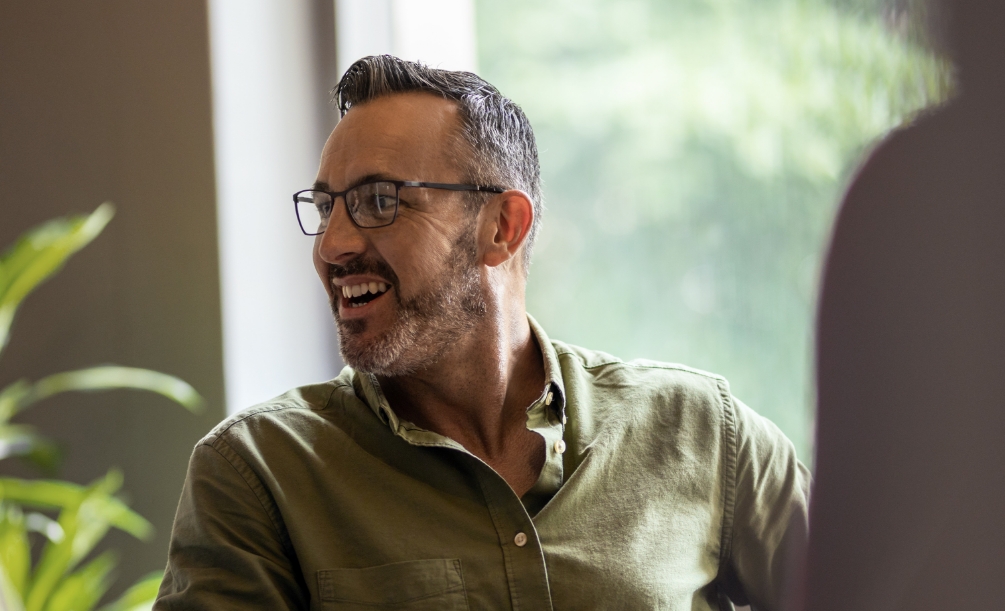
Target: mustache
363, 265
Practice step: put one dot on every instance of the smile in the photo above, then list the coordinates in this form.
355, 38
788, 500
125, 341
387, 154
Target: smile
359, 295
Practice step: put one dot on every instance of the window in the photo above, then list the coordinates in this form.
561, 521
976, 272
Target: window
693, 154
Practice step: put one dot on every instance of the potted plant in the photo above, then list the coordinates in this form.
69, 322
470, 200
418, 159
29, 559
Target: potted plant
49, 528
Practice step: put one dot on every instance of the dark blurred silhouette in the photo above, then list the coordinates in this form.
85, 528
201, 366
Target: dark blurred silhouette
909, 501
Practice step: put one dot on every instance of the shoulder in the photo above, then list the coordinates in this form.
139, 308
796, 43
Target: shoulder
667, 399
288, 415
667, 408
638, 375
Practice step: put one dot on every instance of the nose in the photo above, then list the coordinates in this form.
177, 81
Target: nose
342, 240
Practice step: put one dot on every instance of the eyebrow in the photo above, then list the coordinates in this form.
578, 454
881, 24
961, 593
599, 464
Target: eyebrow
321, 185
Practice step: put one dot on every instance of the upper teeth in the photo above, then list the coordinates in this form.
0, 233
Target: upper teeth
362, 289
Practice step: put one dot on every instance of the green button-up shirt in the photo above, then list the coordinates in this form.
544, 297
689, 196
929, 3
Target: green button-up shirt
659, 491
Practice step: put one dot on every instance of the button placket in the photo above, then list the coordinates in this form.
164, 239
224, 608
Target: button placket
527, 575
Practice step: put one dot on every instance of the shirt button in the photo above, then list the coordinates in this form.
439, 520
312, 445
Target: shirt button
547, 400
520, 539
559, 446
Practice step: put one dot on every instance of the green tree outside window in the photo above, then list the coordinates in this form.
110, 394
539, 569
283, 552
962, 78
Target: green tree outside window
693, 153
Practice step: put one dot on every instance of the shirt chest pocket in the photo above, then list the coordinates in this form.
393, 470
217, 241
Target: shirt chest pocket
417, 585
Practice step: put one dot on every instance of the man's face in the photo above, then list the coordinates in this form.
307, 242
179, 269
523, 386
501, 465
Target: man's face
427, 259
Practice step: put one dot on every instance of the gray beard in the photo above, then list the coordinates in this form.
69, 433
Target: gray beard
426, 324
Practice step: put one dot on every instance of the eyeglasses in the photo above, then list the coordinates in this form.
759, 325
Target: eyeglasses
372, 204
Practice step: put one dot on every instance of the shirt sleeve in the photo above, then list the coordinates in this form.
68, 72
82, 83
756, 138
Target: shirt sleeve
770, 514
227, 550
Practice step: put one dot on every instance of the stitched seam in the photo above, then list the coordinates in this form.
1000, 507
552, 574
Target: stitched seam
450, 590
256, 488
616, 361
582, 362
263, 410
464, 588
729, 477
275, 408
332, 395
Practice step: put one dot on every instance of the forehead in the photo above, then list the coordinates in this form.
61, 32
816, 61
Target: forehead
405, 136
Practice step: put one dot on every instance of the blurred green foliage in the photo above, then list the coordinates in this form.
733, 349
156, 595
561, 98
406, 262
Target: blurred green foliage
46, 563
693, 154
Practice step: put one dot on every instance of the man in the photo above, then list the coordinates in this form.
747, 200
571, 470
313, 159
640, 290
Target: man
464, 460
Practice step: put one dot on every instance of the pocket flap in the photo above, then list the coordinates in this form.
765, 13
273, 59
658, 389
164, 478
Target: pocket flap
394, 583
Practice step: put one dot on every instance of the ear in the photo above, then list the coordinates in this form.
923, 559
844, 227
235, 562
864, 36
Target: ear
505, 223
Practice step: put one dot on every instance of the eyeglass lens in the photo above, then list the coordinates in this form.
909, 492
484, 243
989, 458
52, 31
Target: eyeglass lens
371, 205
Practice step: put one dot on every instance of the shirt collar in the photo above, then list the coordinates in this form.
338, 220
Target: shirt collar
367, 386
546, 416
552, 369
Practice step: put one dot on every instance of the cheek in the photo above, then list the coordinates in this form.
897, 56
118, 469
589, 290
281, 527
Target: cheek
321, 266
417, 262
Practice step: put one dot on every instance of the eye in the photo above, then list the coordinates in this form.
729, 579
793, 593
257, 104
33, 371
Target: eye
324, 207
384, 203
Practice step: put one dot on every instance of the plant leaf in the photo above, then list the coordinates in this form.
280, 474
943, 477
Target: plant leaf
15, 552
53, 494
44, 454
54, 561
81, 590
107, 377
10, 598
39, 254
47, 494
96, 515
10, 397
16, 439
44, 525
22, 440
140, 596
58, 558
53, 564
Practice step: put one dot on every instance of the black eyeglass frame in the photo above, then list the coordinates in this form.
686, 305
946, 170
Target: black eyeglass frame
398, 184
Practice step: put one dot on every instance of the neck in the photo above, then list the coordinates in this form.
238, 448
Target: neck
478, 392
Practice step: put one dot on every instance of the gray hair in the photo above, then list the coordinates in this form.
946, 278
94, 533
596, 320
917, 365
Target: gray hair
495, 129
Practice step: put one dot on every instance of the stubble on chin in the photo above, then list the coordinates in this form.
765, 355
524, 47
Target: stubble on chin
425, 325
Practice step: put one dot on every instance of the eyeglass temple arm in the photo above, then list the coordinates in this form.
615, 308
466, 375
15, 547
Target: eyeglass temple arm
451, 187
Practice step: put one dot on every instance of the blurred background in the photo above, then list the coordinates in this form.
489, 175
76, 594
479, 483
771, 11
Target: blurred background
693, 155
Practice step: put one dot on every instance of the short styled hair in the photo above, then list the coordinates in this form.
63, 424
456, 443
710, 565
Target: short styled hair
500, 138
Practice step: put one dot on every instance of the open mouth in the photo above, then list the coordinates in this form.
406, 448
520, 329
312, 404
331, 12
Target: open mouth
359, 295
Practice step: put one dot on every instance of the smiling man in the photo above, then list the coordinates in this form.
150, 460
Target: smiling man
464, 460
